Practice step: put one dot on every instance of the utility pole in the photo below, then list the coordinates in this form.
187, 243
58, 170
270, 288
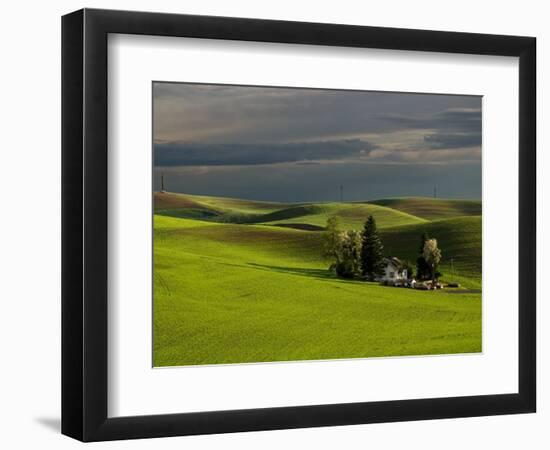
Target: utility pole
341, 193
162, 182
435, 191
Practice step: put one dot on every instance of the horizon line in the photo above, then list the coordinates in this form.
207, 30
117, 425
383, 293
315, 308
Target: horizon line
323, 201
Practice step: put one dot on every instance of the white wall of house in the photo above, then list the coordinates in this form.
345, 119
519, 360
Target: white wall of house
391, 273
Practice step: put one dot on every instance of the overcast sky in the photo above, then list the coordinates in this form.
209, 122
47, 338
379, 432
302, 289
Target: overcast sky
301, 144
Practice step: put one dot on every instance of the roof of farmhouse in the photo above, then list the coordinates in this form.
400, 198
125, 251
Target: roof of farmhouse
393, 261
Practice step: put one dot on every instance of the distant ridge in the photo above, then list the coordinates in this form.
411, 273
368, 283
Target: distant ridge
432, 208
311, 216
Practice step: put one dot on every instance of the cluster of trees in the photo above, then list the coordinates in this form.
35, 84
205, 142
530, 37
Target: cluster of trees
360, 253
354, 253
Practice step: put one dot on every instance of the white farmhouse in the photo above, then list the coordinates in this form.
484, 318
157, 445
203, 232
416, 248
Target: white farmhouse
392, 270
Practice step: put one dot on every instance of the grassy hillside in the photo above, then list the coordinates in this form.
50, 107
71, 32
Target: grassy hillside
228, 210
459, 240
171, 200
432, 208
351, 216
230, 293
255, 243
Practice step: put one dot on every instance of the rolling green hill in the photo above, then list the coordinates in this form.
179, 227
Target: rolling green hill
257, 243
459, 240
351, 215
220, 205
432, 208
258, 290
228, 210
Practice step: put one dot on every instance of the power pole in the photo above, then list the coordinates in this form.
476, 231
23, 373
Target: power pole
341, 193
162, 183
435, 191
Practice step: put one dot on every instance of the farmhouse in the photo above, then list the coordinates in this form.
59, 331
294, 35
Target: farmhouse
392, 270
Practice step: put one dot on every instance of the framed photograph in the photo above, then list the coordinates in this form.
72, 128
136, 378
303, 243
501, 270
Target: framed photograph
273, 225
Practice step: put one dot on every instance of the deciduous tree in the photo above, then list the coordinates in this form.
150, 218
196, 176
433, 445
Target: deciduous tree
432, 255
331, 238
422, 267
348, 264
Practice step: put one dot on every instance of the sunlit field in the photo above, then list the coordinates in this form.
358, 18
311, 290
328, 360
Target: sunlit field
244, 281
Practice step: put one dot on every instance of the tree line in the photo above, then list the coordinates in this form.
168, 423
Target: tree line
360, 254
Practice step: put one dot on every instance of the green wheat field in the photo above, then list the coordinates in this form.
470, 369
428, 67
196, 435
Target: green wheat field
240, 281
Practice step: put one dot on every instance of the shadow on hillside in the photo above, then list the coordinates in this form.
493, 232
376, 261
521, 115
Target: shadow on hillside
320, 274
314, 273
299, 226
187, 213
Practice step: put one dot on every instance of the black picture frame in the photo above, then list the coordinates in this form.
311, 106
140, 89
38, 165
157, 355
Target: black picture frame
84, 224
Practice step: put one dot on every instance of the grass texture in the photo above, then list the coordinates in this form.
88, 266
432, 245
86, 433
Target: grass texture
231, 285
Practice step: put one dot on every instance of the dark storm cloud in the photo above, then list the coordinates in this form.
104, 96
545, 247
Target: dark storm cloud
463, 120
196, 154
244, 114
296, 144
442, 141
452, 128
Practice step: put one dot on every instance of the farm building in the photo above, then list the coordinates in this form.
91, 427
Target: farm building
392, 270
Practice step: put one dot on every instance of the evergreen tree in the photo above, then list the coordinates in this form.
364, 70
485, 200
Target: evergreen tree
423, 270
371, 251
